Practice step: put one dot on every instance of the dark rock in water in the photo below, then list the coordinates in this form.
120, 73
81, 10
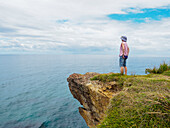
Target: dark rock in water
44, 125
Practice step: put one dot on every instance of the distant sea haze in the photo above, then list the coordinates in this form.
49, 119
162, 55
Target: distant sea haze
34, 90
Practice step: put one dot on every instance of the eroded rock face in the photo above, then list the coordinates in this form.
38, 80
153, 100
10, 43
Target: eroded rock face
93, 95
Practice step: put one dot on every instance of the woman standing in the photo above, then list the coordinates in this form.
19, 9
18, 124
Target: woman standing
124, 52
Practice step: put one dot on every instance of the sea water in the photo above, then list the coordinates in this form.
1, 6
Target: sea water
34, 90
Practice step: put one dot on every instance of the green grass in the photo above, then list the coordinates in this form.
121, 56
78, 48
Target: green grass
162, 68
117, 77
145, 104
167, 73
111, 77
106, 77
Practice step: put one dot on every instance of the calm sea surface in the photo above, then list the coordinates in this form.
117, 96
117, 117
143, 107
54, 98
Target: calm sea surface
34, 90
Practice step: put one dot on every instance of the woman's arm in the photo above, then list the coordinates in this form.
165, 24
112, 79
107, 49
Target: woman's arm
123, 47
128, 50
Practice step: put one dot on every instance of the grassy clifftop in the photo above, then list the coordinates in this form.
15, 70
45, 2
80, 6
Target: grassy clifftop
143, 102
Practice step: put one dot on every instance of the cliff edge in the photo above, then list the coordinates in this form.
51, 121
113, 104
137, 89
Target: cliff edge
113, 100
93, 95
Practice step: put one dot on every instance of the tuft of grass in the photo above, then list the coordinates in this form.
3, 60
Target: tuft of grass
94, 78
106, 77
162, 68
167, 73
101, 77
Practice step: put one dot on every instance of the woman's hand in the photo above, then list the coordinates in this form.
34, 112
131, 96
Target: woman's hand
123, 56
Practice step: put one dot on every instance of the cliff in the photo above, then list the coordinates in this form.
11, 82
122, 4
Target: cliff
94, 96
113, 100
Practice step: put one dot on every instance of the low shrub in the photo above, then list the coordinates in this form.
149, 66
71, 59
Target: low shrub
163, 67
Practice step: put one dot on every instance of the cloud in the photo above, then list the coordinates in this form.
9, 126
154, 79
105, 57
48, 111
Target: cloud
75, 27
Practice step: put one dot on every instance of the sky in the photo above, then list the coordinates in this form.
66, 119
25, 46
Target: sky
84, 27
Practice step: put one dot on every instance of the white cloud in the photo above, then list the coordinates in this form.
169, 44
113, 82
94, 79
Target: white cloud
36, 27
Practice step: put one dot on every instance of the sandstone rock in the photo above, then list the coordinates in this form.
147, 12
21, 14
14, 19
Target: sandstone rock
93, 95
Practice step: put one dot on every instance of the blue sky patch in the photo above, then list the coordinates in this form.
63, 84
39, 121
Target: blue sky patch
142, 16
61, 21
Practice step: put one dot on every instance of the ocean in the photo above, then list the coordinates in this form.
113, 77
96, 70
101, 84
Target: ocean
34, 90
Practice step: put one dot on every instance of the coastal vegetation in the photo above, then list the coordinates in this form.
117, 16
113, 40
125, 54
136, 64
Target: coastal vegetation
162, 68
144, 100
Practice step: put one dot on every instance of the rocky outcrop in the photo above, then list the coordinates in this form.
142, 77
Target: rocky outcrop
137, 100
93, 95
